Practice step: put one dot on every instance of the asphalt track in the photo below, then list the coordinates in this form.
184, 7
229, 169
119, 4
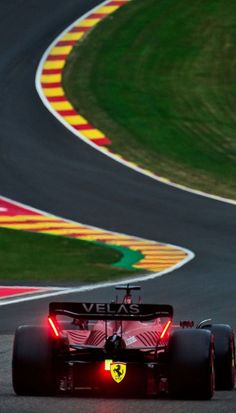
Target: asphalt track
43, 165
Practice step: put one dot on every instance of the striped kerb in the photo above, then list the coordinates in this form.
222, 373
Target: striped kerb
157, 257
51, 75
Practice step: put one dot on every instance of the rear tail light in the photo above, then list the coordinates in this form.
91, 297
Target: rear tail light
54, 327
165, 329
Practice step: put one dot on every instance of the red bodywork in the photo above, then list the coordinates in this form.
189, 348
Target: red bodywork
135, 334
131, 336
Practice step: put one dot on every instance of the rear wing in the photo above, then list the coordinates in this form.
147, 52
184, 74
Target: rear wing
112, 311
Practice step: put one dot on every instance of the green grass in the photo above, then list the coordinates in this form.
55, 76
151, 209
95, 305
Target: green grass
159, 78
26, 256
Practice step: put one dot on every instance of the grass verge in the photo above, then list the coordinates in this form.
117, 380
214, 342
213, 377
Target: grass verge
26, 256
158, 78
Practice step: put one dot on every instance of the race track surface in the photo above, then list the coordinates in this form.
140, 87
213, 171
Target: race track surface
43, 165
223, 402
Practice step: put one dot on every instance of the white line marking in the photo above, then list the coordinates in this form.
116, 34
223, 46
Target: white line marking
109, 154
140, 278
39, 211
144, 277
98, 285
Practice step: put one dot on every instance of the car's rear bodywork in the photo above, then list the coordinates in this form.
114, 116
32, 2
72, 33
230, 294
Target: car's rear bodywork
114, 347
122, 348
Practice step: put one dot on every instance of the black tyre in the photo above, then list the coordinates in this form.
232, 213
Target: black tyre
224, 356
32, 362
191, 364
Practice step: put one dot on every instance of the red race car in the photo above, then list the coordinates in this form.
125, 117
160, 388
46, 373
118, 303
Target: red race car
122, 348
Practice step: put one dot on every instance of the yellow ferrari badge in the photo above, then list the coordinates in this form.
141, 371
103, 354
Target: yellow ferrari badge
118, 371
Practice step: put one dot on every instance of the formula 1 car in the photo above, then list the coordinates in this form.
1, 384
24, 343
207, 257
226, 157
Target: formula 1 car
122, 348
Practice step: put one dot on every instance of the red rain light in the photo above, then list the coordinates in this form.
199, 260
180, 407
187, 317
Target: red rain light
165, 329
55, 329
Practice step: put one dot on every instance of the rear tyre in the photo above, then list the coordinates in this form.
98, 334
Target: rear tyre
191, 364
224, 356
32, 362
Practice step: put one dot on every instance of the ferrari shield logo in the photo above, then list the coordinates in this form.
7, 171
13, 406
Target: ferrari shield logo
118, 371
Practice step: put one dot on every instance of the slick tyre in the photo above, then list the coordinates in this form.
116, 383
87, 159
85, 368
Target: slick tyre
224, 356
191, 364
32, 362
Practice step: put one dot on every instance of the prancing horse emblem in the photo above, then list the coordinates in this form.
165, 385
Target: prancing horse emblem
118, 371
